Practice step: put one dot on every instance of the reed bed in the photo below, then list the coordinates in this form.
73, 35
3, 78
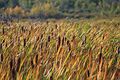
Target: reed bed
60, 50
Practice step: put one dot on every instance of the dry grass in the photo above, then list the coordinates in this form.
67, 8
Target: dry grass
60, 50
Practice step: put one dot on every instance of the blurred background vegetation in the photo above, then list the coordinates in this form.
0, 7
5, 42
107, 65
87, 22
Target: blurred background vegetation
59, 8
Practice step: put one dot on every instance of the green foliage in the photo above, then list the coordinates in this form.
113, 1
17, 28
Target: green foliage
26, 4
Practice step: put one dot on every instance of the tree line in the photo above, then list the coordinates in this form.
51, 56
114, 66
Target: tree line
59, 8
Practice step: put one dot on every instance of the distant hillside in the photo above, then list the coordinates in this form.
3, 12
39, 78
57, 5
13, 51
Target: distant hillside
59, 8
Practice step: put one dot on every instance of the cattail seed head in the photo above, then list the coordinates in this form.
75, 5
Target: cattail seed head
58, 43
69, 45
56, 26
63, 40
46, 44
3, 30
1, 57
41, 36
88, 73
32, 63
36, 58
11, 64
100, 55
22, 29
0, 47
48, 38
13, 74
18, 64
37, 38
24, 44
3, 41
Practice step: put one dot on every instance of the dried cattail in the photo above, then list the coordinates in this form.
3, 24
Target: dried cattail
58, 43
11, 64
37, 38
3, 30
69, 45
103, 37
32, 64
1, 57
0, 47
100, 65
36, 58
88, 73
56, 26
90, 57
100, 55
18, 64
48, 38
46, 44
22, 28
24, 42
29, 33
41, 36
3, 41
63, 40
13, 74
31, 28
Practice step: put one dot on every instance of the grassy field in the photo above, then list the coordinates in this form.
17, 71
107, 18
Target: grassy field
60, 50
